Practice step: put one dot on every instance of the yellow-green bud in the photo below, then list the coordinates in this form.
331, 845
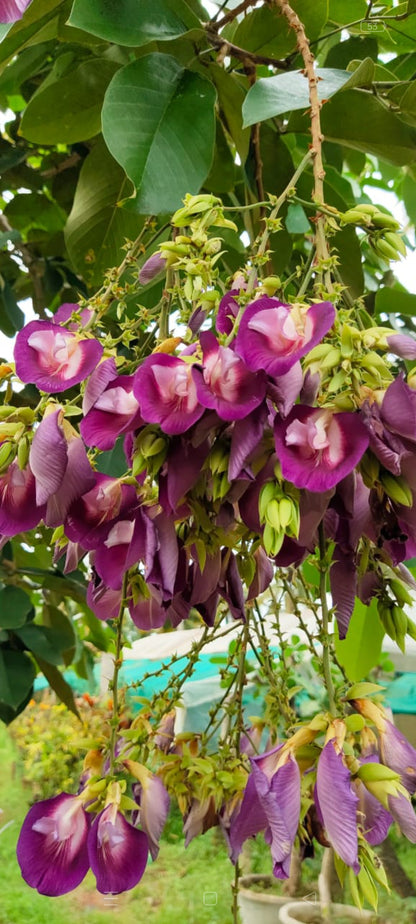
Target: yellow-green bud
397, 488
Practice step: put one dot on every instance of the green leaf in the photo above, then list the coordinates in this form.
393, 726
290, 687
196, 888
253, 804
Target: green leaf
343, 13
159, 124
58, 684
12, 318
358, 120
221, 177
97, 226
359, 690
4, 29
134, 22
360, 651
43, 641
266, 32
408, 194
28, 211
17, 673
113, 462
230, 100
347, 247
64, 633
392, 301
69, 109
296, 220
411, 7
15, 607
272, 96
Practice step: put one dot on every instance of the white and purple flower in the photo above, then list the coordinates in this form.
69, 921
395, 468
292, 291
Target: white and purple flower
166, 391
225, 384
52, 848
117, 852
273, 336
53, 358
317, 448
109, 406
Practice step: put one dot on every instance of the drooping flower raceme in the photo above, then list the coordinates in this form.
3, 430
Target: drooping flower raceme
317, 448
54, 358
52, 847
274, 336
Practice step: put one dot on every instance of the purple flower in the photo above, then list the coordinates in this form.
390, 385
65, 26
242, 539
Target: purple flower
271, 803
12, 10
225, 384
392, 427
129, 541
153, 267
166, 392
398, 754
274, 336
109, 406
52, 846
102, 600
374, 818
227, 312
337, 802
152, 797
18, 508
117, 852
65, 311
90, 516
52, 357
318, 448
60, 465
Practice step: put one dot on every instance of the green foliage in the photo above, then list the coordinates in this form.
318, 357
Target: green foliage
52, 743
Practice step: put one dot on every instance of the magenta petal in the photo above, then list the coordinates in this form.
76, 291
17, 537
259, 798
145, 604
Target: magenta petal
103, 601
149, 613
343, 581
79, 479
274, 336
402, 345
18, 508
12, 10
318, 448
338, 804
52, 357
226, 385
52, 846
48, 457
286, 389
166, 392
117, 852
97, 383
251, 819
246, 436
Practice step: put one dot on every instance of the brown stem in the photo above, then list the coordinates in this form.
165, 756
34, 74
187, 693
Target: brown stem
302, 42
232, 14
33, 266
227, 48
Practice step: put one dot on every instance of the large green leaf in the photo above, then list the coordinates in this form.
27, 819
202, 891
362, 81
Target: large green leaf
15, 607
59, 684
230, 101
360, 651
358, 120
159, 124
17, 673
392, 301
271, 96
343, 12
44, 642
12, 318
97, 227
134, 22
266, 32
69, 109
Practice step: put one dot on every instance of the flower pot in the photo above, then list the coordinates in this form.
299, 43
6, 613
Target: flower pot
312, 913
257, 906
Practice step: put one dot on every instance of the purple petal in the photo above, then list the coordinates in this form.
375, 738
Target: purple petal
52, 357
149, 613
79, 479
338, 805
398, 409
52, 846
90, 517
286, 389
12, 10
154, 810
402, 810
64, 312
246, 436
18, 508
286, 792
166, 392
402, 345
97, 383
398, 754
181, 470
251, 819
274, 336
48, 457
103, 601
318, 448
117, 852
165, 562
226, 385
263, 574
375, 819
154, 266
227, 312
343, 581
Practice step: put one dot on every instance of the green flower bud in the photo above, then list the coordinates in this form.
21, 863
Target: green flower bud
7, 454
397, 488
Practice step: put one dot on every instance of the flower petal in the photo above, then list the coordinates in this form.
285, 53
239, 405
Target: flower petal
52, 846
338, 804
117, 852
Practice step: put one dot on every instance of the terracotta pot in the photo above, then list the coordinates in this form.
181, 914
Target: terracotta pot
258, 907
312, 913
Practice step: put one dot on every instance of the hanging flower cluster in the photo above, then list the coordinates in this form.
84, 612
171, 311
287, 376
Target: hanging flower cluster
268, 426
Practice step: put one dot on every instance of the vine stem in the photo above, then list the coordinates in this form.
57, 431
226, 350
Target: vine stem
118, 660
326, 650
302, 42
